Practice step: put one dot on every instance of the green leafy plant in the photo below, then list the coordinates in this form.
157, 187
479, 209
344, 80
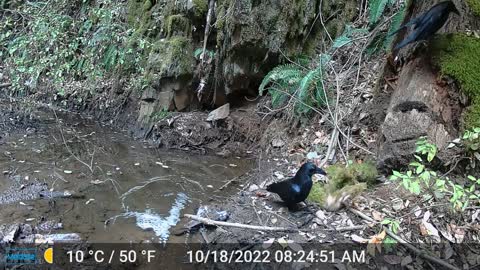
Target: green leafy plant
392, 224
420, 178
49, 45
302, 87
471, 139
384, 41
160, 115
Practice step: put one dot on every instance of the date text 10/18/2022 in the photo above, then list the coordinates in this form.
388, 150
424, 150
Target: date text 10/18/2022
278, 256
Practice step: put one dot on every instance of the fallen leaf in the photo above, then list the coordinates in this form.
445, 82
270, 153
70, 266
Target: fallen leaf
426, 216
375, 242
431, 230
377, 215
475, 216
283, 242
358, 239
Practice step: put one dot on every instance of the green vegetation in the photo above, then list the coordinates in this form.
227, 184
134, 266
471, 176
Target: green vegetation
420, 179
457, 56
377, 8
171, 57
474, 6
159, 115
48, 46
177, 25
343, 181
299, 86
200, 7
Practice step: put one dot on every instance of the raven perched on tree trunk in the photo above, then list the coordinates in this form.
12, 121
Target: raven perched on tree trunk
428, 23
296, 189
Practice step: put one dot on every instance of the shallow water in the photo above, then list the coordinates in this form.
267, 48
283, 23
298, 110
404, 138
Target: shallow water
123, 191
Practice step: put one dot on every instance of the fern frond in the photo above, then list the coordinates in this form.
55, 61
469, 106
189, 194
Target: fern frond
287, 72
376, 9
396, 22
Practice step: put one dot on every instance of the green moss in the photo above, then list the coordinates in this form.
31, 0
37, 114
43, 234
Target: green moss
472, 115
171, 57
200, 7
177, 25
365, 172
137, 11
458, 56
474, 6
343, 181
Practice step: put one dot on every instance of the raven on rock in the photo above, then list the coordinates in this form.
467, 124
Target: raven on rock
297, 188
428, 23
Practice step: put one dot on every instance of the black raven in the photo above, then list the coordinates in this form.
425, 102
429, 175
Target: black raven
428, 23
297, 188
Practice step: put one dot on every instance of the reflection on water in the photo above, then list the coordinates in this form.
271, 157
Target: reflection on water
150, 220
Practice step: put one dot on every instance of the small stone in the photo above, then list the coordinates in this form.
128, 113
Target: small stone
252, 188
277, 143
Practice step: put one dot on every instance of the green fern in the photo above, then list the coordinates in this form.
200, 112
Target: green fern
300, 85
377, 8
396, 23
384, 41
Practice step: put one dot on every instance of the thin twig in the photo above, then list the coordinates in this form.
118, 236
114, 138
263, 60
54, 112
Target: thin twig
68, 148
237, 225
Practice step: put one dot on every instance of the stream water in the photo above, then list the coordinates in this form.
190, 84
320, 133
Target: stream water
114, 189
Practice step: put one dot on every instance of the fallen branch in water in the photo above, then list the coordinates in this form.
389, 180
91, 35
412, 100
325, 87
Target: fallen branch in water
417, 251
238, 225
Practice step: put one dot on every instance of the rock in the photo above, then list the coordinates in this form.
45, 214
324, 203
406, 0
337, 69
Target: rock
419, 107
182, 99
10, 233
278, 143
253, 187
219, 113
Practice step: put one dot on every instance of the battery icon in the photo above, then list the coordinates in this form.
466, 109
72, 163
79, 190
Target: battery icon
48, 255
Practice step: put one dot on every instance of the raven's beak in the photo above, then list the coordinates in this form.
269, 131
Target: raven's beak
320, 171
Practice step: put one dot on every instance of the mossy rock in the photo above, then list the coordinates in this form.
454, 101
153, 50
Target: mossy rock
474, 6
457, 55
171, 57
177, 25
137, 11
365, 172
